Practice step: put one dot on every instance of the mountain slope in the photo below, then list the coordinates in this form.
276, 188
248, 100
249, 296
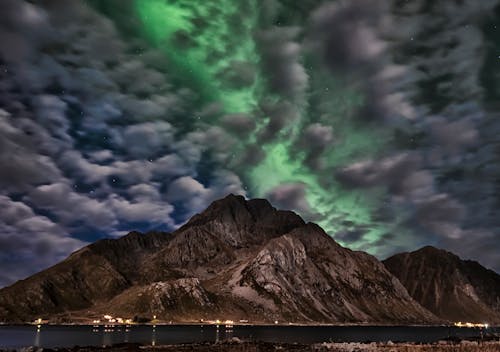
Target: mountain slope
308, 275
92, 274
451, 288
239, 259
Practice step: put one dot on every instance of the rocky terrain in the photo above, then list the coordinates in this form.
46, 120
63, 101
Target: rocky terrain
239, 259
451, 288
239, 346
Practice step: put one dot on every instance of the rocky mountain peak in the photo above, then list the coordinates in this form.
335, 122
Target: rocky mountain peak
433, 251
238, 221
452, 288
236, 207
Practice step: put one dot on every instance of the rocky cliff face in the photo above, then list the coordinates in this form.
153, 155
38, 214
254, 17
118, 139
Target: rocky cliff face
238, 259
451, 288
307, 276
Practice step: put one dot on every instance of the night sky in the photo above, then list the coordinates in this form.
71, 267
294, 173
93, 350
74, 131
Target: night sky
378, 120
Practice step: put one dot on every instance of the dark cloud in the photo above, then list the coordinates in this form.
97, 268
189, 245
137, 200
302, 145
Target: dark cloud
70, 207
281, 61
280, 115
398, 172
252, 155
286, 76
154, 212
28, 237
146, 140
197, 196
240, 74
24, 27
453, 136
344, 34
315, 139
479, 245
22, 165
291, 196
239, 124
350, 236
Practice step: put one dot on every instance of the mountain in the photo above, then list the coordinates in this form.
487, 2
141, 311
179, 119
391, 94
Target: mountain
451, 288
93, 274
239, 259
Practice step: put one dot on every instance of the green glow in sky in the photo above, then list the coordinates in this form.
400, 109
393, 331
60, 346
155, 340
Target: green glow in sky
200, 56
202, 41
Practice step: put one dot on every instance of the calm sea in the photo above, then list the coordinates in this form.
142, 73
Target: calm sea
12, 336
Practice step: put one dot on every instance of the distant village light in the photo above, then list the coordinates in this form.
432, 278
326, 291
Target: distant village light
471, 325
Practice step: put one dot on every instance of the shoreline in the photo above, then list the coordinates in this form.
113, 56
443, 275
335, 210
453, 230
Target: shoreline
204, 324
235, 345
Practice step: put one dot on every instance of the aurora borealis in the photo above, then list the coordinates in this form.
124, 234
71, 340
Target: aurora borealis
276, 107
375, 119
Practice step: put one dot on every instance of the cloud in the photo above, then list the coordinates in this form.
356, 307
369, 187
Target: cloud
50, 113
281, 115
442, 214
477, 244
239, 124
23, 166
23, 28
144, 192
73, 163
315, 139
240, 74
354, 236
170, 166
185, 188
343, 33
143, 210
146, 140
429, 213
28, 237
453, 136
196, 196
291, 196
392, 172
281, 62
70, 207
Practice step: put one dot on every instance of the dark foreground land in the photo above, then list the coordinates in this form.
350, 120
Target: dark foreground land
238, 346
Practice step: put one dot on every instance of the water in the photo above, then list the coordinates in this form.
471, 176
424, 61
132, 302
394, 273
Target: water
16, 336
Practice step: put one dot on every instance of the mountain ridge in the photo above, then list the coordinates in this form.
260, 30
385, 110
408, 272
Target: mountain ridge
454, 289
239, 260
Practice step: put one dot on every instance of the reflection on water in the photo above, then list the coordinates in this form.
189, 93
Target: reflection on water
107, 337
37, 337
127, 330
217, 334
50, 336
228, 332
153, 336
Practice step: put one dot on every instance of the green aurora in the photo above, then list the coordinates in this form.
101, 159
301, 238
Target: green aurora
202, 41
